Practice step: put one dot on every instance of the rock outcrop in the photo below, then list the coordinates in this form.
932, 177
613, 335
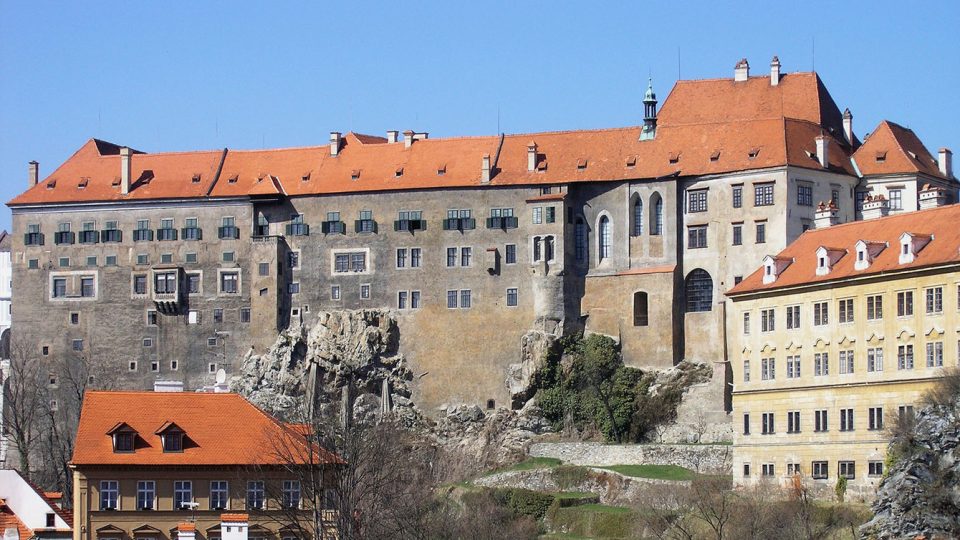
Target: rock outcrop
920, 496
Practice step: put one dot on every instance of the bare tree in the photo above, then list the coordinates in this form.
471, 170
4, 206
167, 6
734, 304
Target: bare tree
664, 512
25, 400
713, 503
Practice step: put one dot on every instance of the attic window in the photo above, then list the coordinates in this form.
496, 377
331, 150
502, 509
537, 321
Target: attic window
674, 157
881, 156
83, 183
355, 174
581, 164
196, 178
442, 170
715, 155
399, 172
116, 181
913, 155
632, 161
754, 152
123, 437
171, 437
233, 179
51, 184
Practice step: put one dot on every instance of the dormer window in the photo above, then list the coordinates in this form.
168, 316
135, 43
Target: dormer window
827, 258
773, 267
124, 438
911, 244
171, 437
867, 252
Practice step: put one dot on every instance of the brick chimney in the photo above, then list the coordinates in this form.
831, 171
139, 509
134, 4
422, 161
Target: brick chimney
392, 136
774, 71
408, 138
485, 169
532, 156
848, 126
946, 162
33, 173
125, 167
741, 71
826, 216
335, 140
875, 206
823, 150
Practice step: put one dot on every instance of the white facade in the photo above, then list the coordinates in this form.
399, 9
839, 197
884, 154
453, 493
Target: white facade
32, 509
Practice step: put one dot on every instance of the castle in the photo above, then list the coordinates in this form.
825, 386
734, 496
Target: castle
174, 265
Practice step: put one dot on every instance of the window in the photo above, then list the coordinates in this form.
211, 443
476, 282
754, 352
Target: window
143, 258
746, 324
151, 318
819, 470
182, 494
511, 297
537, 215
218, 315
793, 469
293, 287
401, 257
510, 253
293, 259
657, 228
228, 256
762, 232
335, 292
821, 316
109, 495
637, 229
875, 415
415, 257
92, 260
64, 262
835, 197
737, 196
402, 300
59, 287
820, 420
74, 318
793, 422
77, 345
821, 364
746, 469
905, 304
767, 469
746, 423
793, 367
579, 240
229, 282
290, 494
33, 264
218, 495
551, 214
767, 321
846, 310
452, 299
763, 194
465, 298
738, 234
874, 468
767, 424
846, 419
451, 257
905, 357
697, 236
699, 291
846, 362
466, 254
874, 307
147, 342
896, 199
804, 195
934, 300
87, 288
255, 495
768, 371
935, 354
697, 201
245, 315
874, 359
640, 309
263, 269
366, 224
364, 291
793, 317
193, 283
605, 239
746, 371
846, 470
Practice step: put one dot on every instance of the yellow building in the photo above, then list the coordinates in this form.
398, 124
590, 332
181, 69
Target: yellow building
835, 336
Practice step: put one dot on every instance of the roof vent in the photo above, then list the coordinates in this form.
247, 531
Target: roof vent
442, 169
881, 156
674, 157
581, 164
305, 177
715, 156
83, 182
392, 136
196, 178
116, 181
741, 71
355, 174
399, 172
52, 184
233, 179
911, 244
632, 161
753, 153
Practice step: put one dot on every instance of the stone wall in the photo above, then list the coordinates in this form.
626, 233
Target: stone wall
713, 459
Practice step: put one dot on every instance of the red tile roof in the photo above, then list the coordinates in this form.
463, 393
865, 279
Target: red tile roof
219, 429
8, 519
939, 222
234, 518
892, 149
704, 127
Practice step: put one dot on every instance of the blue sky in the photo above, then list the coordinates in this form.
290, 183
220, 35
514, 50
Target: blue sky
162, 76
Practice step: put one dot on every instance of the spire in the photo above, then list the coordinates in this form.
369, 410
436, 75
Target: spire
649, 130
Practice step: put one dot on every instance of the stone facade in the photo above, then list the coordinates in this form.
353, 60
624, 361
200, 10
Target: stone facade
703, 458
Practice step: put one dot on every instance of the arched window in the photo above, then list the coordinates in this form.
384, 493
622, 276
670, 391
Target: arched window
699, 291
640, 317
580, 240
604, 251
637, 228
656, 217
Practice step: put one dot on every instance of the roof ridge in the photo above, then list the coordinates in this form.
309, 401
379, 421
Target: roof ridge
713, 79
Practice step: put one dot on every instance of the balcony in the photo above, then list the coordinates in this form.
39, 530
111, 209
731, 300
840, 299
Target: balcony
142, 235
365, 226
166, 234
459, 224
261, 230
89, 237
409, 225
502, 223
166, 290
111, 236
298, 229
228, 232
33, 239
333, 227
191, 233
64, 237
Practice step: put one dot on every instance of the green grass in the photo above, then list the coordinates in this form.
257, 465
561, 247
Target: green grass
604, 509
659, 472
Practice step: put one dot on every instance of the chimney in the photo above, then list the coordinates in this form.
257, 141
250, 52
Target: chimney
946, 162
392, 136
407, 138
774, 71
186, 531
875, 206
33, 173
335, 140
848, 126
741, 71
125, 170
823, 150
826, 215
532, 156
422, 136
932, 197
485, 169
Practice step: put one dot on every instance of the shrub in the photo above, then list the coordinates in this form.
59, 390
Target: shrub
524, 502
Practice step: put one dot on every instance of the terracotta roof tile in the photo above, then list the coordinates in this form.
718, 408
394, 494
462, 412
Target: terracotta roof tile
939, 222
220, 429
888, 151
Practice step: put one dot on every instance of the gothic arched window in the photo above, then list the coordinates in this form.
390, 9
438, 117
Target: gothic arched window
640, 316
604, 251
637, 228
656, 217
